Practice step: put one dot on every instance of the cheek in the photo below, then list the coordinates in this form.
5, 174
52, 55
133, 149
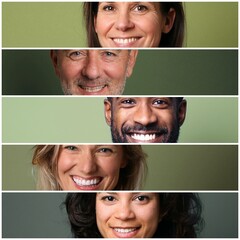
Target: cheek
64, 163
69, 70
152, 26
102, 217
115, 71
120, 117
111, 167
150, 219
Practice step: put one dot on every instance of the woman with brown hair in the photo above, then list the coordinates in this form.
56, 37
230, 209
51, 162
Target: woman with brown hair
134, 24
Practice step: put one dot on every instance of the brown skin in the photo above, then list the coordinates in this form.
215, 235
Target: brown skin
144, 119
93, 72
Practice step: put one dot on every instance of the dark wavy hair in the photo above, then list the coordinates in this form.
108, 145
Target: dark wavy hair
180, 215
172, 39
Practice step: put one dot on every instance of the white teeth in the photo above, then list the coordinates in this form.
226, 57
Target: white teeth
124, 230
93, 89
83, 182
124, 40
143, 137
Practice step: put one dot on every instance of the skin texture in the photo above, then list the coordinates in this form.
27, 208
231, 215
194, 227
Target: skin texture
127, 214
144, 119
132, 24
93, 72
79, 163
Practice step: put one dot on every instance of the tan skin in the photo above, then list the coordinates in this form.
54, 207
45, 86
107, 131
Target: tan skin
93, 72
144, 119
127, 214
132, 24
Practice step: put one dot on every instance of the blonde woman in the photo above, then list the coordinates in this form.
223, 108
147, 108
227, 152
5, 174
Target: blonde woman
89, 167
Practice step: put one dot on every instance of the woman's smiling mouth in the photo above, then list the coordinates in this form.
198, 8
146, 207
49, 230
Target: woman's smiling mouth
87, 184
127, 232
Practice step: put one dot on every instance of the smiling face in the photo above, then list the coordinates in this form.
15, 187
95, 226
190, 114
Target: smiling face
144, 119
131, 24
89, 167
93, 72
127, 215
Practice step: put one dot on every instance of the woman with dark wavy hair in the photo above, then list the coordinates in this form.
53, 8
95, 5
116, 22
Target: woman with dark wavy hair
134, 214
134, 24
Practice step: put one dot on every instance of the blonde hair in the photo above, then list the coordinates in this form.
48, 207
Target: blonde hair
131, 177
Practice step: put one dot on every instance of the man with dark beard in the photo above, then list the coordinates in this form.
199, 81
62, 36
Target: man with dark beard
145, 119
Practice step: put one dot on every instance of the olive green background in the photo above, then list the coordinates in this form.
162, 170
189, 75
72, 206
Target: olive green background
81, 120
169, 167
35, 215
194, 72
42, 24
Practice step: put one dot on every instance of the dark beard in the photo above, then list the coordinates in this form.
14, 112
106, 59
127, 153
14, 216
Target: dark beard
173, 136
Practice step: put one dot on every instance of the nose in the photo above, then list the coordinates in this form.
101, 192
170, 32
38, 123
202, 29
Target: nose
91, 68
124, 21
144, 115
87, 163
124, 212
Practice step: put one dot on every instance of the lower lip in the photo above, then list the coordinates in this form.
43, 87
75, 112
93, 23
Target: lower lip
125, 235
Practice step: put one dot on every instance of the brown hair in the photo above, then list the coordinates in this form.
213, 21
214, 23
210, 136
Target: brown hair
172, 39
131, 177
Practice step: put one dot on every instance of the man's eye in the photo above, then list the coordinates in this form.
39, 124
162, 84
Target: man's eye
71, 148
159, 102
110, 54
75, 55
128, 101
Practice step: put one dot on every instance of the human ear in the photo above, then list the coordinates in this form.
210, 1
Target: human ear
54, 58
169, 21
131, 61
107, 111
182, 108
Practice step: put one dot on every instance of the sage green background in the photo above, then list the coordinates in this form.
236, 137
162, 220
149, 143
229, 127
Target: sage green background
81, 120
47, 24
194, 72
42, 215
169, 167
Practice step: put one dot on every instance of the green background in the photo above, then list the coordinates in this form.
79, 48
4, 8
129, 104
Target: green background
194, 72
33, 215
169, 167
61, 24
81, 120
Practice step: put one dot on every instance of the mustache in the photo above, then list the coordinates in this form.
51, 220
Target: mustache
148, 128
86, 81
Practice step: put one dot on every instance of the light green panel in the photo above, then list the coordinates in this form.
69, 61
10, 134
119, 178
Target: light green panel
54, 120
185, 72
212, 119
81, 120
192, 167
45, 24
42, 24
211, 24
169, 167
